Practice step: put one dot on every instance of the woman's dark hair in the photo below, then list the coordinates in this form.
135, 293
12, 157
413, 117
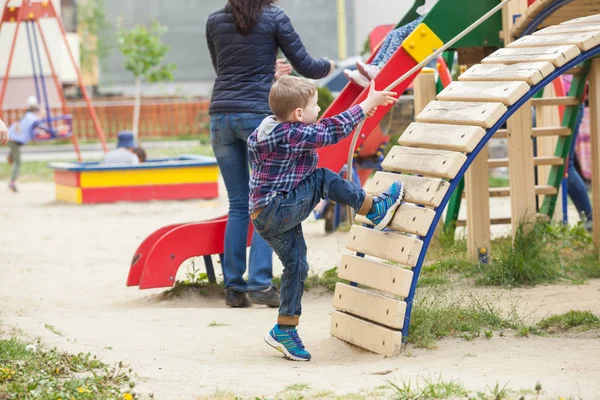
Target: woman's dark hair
246, 12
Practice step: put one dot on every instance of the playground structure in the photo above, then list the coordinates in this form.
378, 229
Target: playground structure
29, 13
186, 177
448, 139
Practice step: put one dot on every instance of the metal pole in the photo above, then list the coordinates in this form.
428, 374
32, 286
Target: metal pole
33, 65
42, 81
413, 70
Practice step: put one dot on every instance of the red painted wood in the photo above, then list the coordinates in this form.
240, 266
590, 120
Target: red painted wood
334, 157
182, 191
179, 244
67, 178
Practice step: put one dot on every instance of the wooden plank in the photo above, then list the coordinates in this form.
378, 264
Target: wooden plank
501, 134
484, 115
493, 221
521, 175
407, 218
387, 278
365, 334
424, 89
555, 101
411, 160
418, 190
369, 305
568, 28
594, 93
528, 72
515, 7
558, 56
584, 20
537, 161
442, 136
478, 206
550, 131
539, 190
384, 244
506, 92
583, 40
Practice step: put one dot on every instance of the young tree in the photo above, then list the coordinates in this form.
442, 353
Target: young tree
144, 53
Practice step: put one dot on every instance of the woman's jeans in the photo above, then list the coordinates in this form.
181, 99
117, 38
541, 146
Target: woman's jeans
280, 223
228, 137
575, 184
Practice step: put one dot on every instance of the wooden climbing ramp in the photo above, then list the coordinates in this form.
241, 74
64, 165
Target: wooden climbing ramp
430, 159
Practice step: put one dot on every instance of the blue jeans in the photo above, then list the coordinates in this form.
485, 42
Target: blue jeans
228, 137
280, 224
575, 184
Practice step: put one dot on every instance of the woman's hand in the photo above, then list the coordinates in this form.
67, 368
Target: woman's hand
282, 68
3, 133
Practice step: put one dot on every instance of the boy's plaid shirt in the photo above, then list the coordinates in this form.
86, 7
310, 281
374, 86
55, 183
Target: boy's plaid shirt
288, 153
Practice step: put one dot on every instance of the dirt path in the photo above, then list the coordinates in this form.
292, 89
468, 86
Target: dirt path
66, 266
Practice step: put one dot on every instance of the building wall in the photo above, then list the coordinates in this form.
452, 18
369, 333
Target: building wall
315, 21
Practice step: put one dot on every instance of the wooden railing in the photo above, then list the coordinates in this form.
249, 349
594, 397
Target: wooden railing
158, 118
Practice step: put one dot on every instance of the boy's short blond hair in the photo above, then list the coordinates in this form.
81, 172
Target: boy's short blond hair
289, 93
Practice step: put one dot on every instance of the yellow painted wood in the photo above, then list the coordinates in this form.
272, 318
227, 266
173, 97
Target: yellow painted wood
528, 72
418, 190
68, 194
407, 218
385, 277
369, 305
442, 136
506, 92
583, 40
156, 176
412, 160
558, 55
462, 113
387, 245
365, 334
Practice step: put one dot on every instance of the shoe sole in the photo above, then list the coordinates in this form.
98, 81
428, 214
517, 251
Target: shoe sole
281, 348
390, 212
264, 303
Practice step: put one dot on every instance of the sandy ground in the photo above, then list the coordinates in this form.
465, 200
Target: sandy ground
66, 266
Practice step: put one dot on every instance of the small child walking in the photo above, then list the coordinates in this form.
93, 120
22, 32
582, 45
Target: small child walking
286, 185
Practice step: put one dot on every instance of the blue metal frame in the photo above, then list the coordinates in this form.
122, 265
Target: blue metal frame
470, 157
541, 17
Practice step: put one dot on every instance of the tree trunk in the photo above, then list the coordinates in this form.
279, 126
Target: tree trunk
137, 106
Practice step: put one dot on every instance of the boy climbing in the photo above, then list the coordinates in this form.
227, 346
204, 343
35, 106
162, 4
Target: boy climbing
285, 186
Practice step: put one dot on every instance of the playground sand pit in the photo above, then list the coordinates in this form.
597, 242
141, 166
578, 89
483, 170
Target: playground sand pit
62, 278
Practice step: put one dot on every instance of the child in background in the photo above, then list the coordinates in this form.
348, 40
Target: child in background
20, 133
125, 151
285, 186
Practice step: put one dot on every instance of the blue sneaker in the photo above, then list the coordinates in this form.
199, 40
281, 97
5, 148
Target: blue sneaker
288, 343
385, 205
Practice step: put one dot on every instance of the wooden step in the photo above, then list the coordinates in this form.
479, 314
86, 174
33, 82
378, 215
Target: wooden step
568, 28
529, 72
555, 101
387, 245
593, 19
442, 136
493, 221
550, 131
365, 334
558, 56
369, 305
484, 115
501, 134
417, 189
575, 71
537, 161
583, 40
412, 160
507, 92
385, 277
539, 190
408, 218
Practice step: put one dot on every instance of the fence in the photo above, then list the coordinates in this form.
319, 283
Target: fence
158, 118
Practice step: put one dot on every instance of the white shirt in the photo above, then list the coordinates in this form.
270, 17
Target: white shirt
120, 156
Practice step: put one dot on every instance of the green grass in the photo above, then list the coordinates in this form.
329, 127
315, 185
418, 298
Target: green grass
48, 374
213, 324
496, 181
326, 281
427, 388
54, 330
579, 321
440, 313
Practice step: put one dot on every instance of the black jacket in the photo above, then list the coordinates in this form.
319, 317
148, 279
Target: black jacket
245, 65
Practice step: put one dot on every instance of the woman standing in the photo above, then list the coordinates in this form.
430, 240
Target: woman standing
244, 38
